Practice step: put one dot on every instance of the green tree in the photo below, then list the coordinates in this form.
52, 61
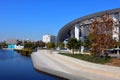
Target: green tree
41, 44
73, 44
87, 42
3, 45
0, 46
50, 45
61, 45
33, 46
19, 42
27, 44
30, 45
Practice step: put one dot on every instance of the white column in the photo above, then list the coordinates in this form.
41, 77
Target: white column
77, 32
82, 49
115, 29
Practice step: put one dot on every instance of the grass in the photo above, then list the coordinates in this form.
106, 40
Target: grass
89, 58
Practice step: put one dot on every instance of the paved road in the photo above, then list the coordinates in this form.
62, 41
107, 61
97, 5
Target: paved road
70, 68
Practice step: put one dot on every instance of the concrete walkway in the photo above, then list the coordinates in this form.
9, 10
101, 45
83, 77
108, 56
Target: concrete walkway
71, 68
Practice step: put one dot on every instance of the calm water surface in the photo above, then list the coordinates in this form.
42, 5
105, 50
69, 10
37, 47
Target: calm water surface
13, 66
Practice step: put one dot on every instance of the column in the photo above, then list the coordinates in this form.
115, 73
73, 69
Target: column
72, 32
77, 32
82, 33
82, 38
116, 29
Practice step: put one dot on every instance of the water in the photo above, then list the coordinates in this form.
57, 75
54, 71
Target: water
13, 66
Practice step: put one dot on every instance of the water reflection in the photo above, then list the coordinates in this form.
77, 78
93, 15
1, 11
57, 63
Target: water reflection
13, 66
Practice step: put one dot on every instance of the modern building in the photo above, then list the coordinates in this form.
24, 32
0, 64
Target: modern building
49, 38
79, 28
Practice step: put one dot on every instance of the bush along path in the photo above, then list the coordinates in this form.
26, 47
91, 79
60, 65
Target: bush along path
89, 58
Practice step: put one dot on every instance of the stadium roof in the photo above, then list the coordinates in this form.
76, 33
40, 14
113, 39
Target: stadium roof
64, 32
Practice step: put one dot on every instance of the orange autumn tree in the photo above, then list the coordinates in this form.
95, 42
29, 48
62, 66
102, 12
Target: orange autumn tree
100, 33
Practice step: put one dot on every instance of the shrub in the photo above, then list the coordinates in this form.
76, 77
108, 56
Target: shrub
50, 45
89, 58
25, 51
19, 51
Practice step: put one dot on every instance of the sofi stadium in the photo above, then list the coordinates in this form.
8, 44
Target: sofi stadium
79, 28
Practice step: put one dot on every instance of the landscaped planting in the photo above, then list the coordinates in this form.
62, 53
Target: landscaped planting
101, 60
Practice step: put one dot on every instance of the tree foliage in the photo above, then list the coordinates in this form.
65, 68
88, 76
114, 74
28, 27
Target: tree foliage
30, 45
50, 45
87, 42
41, 44
19, 42
3, 45
101, 32
61, 45
73, 44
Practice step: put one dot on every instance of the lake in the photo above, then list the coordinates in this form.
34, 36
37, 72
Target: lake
14, 66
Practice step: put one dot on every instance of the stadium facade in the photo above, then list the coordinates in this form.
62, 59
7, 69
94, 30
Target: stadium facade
79, 28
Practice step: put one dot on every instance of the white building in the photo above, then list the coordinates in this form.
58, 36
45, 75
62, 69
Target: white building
19, 47
49, 38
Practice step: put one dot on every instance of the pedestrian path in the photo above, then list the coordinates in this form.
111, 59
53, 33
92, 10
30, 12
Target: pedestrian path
70, 68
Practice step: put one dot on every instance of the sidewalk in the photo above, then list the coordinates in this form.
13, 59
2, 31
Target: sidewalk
71, 68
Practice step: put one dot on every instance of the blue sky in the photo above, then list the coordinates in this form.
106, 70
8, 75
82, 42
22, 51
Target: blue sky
33, 18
